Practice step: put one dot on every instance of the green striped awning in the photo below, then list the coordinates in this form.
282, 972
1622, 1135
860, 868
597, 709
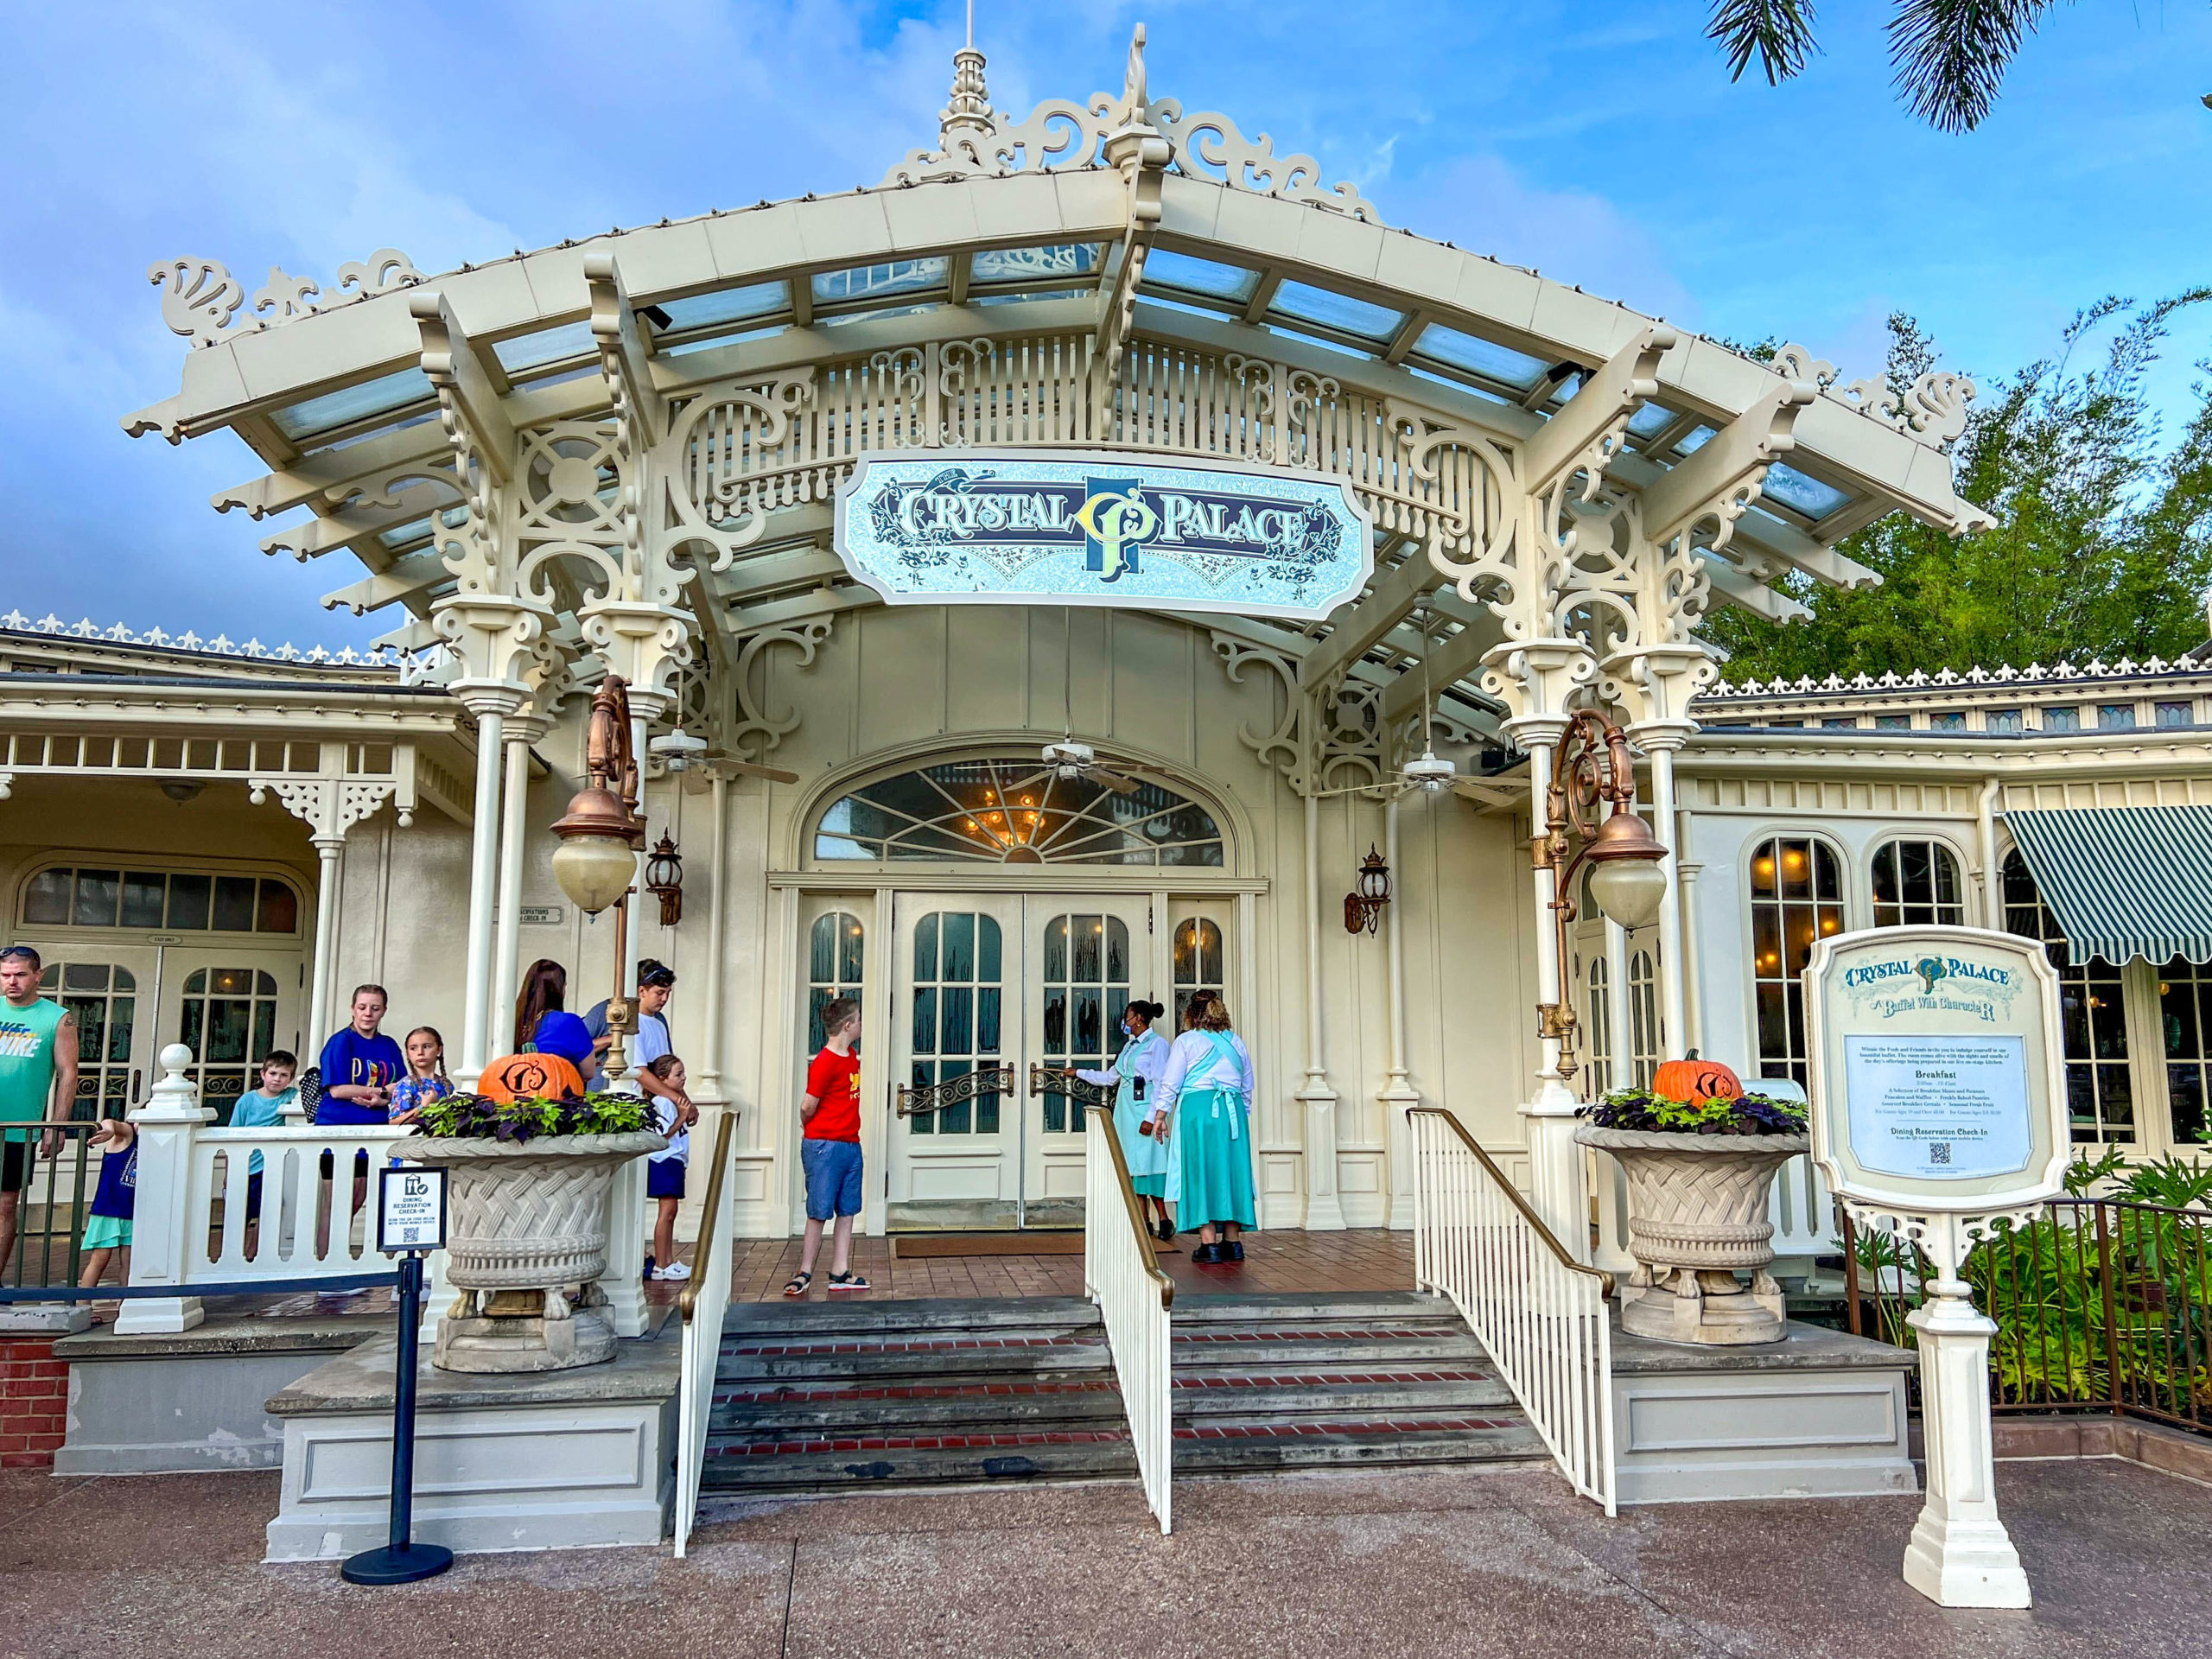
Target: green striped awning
2125, 881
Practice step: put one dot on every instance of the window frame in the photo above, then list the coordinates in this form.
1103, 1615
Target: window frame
130, 864
1849, 885
1943, 843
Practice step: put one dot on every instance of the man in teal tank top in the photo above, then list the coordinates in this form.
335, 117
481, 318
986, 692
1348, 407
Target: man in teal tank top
38, 1049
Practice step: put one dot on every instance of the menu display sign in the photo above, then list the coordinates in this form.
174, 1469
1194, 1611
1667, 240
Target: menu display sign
1937, 1077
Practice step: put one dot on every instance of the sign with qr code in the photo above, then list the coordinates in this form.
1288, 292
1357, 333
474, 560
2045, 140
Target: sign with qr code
411, 1210
1936, 1068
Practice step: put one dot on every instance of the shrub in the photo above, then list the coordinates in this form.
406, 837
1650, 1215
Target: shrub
1639, 1109
474, 1117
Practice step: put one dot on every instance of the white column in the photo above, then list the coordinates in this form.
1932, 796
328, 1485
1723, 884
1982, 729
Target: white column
326, 849
624, 1285
709, 1019
483, 878
514, 827
1397, 1096
1557, 1188
1323, 1211
1674, 1017
163, 1227
1961, 1555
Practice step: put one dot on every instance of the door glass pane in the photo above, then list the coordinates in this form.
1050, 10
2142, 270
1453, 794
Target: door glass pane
821, 956
229, 1022
100, 998
833, 969
959, 948
1197, 964
1082, 984
956, 1024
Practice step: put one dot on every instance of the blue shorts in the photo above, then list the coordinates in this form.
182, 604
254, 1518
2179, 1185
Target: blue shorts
665, 1178
833, 1178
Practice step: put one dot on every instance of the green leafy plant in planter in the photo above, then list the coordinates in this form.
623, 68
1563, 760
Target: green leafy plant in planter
460, 1117
1639, 1109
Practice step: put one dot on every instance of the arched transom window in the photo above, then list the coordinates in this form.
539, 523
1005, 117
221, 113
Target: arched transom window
1916, 883
1015, 811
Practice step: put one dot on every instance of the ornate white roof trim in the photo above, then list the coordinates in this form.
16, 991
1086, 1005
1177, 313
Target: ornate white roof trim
201, 298
976, 141
415, 667
1932, 409
2035, 674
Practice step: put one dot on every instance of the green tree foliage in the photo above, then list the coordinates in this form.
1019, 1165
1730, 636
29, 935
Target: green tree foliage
2102, 546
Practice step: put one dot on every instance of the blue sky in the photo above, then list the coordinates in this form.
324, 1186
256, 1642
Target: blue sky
1602, 144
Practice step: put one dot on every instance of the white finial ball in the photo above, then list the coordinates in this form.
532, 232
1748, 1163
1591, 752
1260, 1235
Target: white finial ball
176, 1057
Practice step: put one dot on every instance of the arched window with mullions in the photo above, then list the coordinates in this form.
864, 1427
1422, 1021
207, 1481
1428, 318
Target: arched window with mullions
1012, 811
1796, 892
1916, 884
1598, 1019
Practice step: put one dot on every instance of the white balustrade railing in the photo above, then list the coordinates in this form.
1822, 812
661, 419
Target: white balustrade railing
704, 1301
1122, 1275
1539, 1312
196, 1218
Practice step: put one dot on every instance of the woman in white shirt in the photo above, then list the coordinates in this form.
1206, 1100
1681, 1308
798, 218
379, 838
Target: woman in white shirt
1206, 1095
1134, 1077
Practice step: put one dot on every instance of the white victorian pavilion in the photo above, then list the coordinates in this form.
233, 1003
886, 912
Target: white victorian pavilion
624, 456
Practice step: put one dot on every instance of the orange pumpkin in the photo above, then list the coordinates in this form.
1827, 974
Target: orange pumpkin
1690, 1081
531, 1076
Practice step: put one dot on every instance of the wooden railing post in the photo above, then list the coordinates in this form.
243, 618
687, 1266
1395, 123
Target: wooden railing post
163, 1229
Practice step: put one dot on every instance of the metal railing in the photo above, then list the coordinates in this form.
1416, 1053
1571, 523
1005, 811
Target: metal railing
2100, 1304
1120, 1272
52, 1208
702, 1304
1539, 1312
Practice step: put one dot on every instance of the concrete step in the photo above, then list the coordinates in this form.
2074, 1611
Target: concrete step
1083, 1402
1305, 1353
943, 1367
861, 1315
1313, 1402
1395, 1307
1219, 1449
868, 1462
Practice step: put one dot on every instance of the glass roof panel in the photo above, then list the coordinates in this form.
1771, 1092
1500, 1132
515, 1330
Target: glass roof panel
883, 315
1457, 384
400, 535
1807, 494
1182, 273
1030, 295
1339, 311
726, 305
873, 282
1455, 350
711, 341
333, 410
1650, 419
546, 346
1060, 260
1698, 437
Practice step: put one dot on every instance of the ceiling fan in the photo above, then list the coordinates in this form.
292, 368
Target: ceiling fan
686, 752
1428, 770
1068, 759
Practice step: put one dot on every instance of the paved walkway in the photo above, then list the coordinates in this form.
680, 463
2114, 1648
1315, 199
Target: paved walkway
1467, 1566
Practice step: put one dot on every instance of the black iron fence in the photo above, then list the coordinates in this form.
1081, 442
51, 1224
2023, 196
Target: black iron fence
52, 1206
2100, 1304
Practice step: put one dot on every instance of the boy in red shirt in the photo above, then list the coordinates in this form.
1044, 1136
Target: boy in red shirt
830, 1149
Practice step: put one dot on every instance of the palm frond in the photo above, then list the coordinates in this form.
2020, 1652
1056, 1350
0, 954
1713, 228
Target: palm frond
1779, 33
1951, 55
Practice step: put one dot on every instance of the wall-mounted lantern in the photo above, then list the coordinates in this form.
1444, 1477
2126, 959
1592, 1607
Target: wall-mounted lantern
1363, 904
664, 880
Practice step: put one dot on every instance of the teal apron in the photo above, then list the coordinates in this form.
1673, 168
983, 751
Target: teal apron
1210, 1158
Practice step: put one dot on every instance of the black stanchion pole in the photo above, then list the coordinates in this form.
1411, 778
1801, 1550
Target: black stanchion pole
402, 1560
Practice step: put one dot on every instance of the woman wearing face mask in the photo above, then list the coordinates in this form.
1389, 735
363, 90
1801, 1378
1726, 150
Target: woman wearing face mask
1207, 1095
1134, 1077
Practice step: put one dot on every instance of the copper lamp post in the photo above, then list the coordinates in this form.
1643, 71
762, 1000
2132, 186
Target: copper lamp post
600, 833
1590, 767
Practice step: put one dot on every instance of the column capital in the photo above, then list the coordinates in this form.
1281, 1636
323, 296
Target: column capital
1536, 678
1655, 683
646, 644
328, 806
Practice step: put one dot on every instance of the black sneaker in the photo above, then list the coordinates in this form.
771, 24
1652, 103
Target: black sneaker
649, 1266
1232, 1251
1206, 1256
1164, 1232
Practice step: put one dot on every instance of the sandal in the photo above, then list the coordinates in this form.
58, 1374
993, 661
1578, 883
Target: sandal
799, 1282
847, 1281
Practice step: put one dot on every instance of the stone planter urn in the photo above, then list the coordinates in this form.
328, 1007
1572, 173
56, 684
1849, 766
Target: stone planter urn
1697, 1217
526, 1230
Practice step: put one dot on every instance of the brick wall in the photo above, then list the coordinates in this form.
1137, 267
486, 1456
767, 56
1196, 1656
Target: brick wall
34, 1403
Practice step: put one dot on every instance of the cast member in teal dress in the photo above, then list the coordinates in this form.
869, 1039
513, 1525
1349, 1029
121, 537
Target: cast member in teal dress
1134, 1077
1207, 1093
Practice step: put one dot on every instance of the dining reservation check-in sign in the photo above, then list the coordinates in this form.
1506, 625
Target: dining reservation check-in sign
1938, 1107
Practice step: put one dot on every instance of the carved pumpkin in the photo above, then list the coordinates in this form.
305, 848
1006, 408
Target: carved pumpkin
531, 1076
1692, 1080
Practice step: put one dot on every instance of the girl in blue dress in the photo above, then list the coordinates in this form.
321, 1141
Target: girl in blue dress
1134, 1077
1207, 1097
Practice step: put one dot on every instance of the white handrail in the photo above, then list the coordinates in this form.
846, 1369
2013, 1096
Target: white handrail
1122, 1275
1539, 1313
704, 1301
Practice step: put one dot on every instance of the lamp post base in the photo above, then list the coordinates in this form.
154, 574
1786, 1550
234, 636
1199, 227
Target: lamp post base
404, 1565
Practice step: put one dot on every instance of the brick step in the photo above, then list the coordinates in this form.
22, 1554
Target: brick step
861, 1315
893, 1411
1315, 1401
946, 1341
942, 1368
1306, 1355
